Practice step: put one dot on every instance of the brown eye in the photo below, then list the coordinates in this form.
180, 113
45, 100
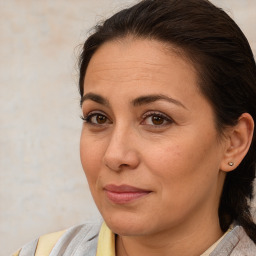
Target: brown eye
157, 120
96, 119
100, 119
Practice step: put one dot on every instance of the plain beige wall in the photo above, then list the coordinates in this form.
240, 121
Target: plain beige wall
42, 185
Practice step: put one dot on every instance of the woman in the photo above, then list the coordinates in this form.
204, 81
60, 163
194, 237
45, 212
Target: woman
168, 92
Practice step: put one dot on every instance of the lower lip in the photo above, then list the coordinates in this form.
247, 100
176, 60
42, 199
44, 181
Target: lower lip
124, 197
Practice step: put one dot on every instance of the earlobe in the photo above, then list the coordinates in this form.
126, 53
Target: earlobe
238, 143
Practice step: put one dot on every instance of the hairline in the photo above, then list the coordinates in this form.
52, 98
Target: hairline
180, 51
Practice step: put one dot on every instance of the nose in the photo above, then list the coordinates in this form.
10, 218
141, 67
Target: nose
121, 152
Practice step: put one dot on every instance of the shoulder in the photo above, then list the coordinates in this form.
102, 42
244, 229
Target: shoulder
235, 243
77, 240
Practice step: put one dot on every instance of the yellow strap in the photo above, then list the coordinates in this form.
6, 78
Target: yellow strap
47, 242
106, 242
16, 253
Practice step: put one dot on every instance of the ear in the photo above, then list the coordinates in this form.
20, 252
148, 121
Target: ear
239, 138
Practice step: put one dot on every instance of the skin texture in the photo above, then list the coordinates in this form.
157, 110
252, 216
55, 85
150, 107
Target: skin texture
169, 148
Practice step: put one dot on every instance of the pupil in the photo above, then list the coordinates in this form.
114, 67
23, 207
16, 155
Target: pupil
101, 119
157, 120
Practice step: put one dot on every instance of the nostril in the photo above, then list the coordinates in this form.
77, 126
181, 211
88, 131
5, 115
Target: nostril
120, 153
125, 160
112, 166
124, 165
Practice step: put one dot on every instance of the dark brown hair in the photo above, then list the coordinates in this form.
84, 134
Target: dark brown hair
226, 69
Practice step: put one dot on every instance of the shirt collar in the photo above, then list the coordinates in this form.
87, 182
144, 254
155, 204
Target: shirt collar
106, 242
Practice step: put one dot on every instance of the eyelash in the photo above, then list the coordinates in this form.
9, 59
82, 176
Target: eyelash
88, 118
167, 120
164, 117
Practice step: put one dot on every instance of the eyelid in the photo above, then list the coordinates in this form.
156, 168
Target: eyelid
86, 117
167, 119
88, 113
150, 113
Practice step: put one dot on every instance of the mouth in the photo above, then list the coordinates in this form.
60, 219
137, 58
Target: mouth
124, 194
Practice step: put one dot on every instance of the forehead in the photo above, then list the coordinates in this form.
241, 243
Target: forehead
130, 59
121, 71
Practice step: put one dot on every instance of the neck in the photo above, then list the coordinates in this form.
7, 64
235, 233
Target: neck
191, 240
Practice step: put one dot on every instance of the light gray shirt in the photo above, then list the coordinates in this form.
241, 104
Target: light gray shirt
82, 241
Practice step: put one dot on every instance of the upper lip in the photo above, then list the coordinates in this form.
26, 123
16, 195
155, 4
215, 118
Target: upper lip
123, 188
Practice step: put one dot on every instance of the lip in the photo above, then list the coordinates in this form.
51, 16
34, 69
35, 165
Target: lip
124, 194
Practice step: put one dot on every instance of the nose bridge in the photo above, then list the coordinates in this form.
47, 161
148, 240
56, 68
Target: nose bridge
121, 150
119, 135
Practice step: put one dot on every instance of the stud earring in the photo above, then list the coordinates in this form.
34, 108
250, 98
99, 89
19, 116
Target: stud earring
230, 163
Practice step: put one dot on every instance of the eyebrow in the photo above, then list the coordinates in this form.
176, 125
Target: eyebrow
142, 100
147, 99
94, 97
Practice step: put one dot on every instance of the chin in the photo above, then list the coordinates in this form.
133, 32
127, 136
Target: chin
126, 230
126, 225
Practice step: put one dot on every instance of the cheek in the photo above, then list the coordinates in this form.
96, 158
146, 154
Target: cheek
167, 160
91, 156
183, 164
182, 182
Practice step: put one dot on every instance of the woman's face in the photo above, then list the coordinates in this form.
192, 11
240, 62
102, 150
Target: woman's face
149, 147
